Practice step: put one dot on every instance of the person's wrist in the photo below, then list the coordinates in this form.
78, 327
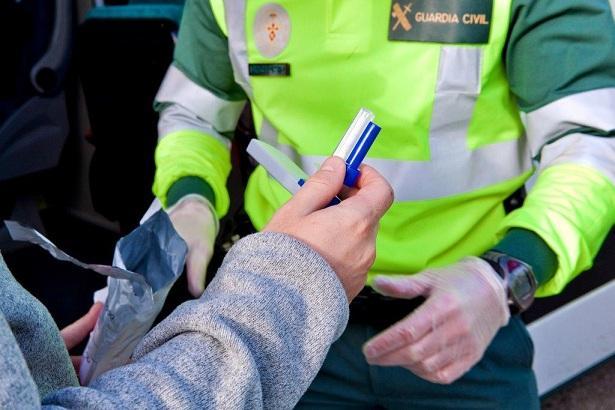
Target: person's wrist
518, 279
491, 278
196, 203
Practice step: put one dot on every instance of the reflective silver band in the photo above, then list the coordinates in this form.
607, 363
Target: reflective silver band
462, 172
582, 149
459, 70
177, 88
176, 117
268, 133
593, 109
457, 89
235, 14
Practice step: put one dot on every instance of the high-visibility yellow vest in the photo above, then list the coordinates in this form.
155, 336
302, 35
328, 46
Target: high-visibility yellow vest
452, 145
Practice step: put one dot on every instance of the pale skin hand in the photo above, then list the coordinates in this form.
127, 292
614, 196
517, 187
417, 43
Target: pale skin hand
344, 234
448, 334
195, 223
76, 332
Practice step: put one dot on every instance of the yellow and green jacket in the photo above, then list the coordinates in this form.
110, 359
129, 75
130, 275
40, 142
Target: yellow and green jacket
476, 98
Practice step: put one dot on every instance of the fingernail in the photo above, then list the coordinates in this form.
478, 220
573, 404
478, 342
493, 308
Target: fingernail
369, 351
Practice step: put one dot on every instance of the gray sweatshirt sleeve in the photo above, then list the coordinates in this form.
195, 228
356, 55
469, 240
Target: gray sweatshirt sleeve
37, 336
255, 339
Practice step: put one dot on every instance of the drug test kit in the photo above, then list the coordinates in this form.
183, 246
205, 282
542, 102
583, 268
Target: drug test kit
352, 148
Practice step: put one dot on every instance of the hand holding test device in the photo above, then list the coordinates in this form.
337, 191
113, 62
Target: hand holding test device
352, 148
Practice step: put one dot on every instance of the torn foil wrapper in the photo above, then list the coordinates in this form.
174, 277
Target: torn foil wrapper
146, 264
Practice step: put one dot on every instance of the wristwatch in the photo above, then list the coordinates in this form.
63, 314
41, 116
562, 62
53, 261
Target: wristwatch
518, 277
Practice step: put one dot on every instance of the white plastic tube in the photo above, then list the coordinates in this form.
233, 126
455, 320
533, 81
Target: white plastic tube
350, 138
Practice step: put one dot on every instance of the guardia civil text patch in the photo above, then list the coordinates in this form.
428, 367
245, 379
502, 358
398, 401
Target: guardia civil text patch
441, 21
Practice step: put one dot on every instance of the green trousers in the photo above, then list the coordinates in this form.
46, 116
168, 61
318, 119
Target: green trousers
503, 379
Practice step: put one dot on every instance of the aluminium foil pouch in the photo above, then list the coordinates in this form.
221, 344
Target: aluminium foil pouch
155, 251
146, 264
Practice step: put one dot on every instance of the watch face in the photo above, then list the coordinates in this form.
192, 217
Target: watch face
521, 284
521, 287
518, 277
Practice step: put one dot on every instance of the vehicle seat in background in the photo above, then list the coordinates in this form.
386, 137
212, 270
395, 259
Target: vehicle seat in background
123, 54
35, 45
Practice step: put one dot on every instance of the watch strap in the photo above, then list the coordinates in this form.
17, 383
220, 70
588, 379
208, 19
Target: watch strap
518, 278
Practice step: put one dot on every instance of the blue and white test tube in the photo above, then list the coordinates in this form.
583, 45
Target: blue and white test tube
355, 143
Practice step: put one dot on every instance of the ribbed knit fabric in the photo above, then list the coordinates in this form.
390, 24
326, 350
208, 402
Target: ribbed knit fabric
255, 339
37, 337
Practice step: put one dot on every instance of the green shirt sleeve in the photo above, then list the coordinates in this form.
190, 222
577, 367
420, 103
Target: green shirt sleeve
202, 55
559, 48
202, 52
190, 185
531, 249
562, 51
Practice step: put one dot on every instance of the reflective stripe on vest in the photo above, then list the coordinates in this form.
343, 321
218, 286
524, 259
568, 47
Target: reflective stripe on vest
177, 88
590, 109
555, 131
235, 18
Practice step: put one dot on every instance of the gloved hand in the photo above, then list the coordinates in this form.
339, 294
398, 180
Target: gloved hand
344, 234
195, 221
464, 308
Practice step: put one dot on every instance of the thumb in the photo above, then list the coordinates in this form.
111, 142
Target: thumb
401, 287
320, 188
76, 332
196, 269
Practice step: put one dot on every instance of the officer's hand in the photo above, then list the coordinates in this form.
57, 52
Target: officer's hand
440, 341
344, 234
196, 224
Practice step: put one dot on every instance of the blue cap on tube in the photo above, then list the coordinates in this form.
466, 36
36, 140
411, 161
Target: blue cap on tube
358, 153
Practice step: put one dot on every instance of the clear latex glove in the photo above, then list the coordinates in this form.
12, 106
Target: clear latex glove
465, 306
195, 221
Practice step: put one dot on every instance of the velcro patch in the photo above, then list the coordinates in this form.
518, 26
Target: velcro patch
270, 70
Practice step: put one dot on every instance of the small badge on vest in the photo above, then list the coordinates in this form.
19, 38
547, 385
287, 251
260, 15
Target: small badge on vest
271, 30
441, 21
269, 70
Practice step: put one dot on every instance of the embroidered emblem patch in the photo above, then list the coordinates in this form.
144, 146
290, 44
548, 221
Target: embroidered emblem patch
271, 30
441, 21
